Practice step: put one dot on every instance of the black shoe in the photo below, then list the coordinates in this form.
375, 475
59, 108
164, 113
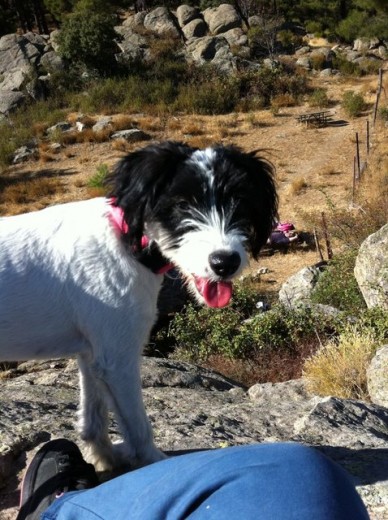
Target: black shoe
57, 467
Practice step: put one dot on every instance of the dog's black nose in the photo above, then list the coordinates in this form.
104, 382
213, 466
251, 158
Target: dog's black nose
224, 263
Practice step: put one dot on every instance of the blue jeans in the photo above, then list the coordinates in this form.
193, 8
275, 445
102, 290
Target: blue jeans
258, 482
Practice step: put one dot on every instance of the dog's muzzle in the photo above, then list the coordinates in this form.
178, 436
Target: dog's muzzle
224, 263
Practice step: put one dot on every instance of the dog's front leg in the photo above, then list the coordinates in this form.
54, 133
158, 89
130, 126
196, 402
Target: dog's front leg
93, 421
123, 384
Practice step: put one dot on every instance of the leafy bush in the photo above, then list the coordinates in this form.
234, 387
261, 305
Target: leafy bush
87, 39
241, 332
383, 112
337, 285
339, 368
318, 98
98, 179
346, 67
353, 103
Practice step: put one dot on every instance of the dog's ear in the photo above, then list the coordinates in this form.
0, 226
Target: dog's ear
138, 180
260, 198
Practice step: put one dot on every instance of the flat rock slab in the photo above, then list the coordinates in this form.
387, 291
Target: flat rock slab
194, 408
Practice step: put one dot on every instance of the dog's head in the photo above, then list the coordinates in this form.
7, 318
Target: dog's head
205, 210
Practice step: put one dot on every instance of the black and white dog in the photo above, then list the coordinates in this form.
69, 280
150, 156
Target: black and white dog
83, 278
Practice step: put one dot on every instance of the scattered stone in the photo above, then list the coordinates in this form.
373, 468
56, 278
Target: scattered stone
304, 61
103, 124
131, 135
55, 147
63, 126
23, 154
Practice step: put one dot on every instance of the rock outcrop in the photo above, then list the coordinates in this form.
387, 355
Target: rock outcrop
193, 408
377, 375
371, 270
216, 35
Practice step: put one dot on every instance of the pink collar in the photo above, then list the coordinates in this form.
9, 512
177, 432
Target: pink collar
116, 217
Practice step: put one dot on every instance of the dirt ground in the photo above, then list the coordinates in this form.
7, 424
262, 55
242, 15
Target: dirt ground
313, 165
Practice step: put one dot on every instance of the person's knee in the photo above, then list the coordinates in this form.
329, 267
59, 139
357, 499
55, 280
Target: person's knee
283, 455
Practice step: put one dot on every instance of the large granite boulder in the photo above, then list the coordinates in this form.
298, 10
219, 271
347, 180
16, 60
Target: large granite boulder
191, 408
214, 49
195, 29
377, 375
160, 21
298, 288
371, 269
10, 100
222, 18
133, 45
186, 14
18, 51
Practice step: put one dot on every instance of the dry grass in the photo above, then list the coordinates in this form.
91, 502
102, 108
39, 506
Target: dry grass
283, 100
193, 128
198, 141
75, 117
123, 122
298, 186
120, 145
280, 365
39, 129
339, 367
14, 197
328, 171
45, 157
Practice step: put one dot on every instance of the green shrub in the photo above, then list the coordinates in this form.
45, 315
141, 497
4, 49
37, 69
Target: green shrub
315, 28
337, 285
318, 98
218, 96
353, 103
346, 67
241, 332
98, 179
88, 39
383, 111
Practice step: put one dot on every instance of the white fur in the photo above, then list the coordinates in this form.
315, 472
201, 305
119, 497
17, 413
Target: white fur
68, 286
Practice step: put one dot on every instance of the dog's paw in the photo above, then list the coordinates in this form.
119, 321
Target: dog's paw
125, 455
102, 456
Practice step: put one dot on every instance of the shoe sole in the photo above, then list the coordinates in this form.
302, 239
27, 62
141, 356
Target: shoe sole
29, 480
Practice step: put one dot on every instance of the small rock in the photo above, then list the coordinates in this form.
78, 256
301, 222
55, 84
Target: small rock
131, 135
63, 126
23, 154
102, 124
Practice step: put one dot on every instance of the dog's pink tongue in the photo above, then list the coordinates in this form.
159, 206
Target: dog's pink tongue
215, 294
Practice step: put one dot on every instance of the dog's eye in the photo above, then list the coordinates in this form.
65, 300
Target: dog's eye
182, 205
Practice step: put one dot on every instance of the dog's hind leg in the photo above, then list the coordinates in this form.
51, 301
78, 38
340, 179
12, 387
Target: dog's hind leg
93, 421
